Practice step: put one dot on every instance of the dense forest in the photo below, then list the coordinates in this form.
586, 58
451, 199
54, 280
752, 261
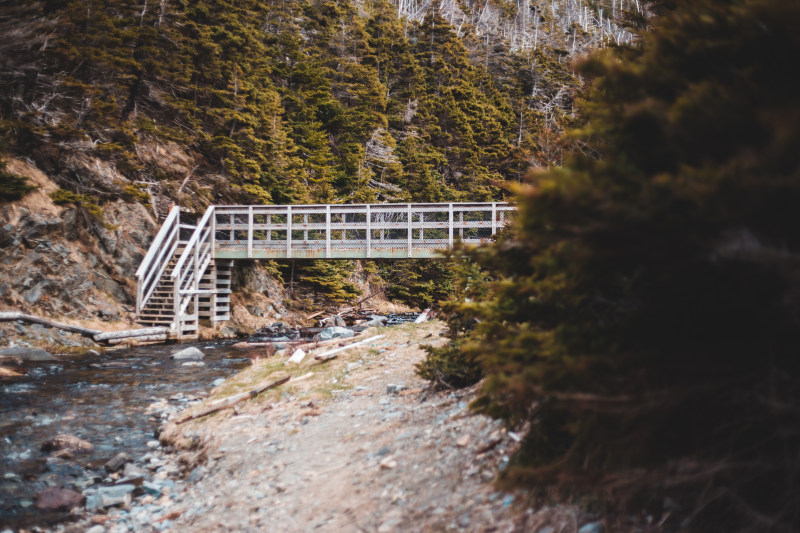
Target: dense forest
294, 102
641, 319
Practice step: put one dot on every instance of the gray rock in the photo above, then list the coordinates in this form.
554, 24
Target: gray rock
132, 471
394, 389
188, 354
58, 499
111, 496
67, 442
29, 354
116, 462
228, 332
592, 527
96, 529
152, 489
334, 333
217, 382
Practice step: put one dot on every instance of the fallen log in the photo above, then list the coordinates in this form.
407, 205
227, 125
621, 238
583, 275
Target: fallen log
233, 400
331, 354
8, 316
141, 338
9, 372
108, 335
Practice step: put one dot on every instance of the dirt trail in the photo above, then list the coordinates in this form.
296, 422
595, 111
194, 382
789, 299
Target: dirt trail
342, 450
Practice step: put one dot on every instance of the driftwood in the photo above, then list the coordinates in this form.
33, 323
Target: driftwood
108, 335
7, 316
233, 400
314, 315
140, 338
331, 354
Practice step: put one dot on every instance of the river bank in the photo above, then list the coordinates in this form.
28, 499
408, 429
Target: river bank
355, 443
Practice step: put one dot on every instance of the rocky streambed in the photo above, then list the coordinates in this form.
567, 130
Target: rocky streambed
114, 403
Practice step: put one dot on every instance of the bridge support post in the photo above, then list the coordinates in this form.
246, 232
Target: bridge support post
410, 234
288, 231
450, 225
369, 232
250, 232
327, 231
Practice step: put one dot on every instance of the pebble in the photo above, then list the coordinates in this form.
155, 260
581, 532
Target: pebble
463, 440
153, 444
96, 529
592, 527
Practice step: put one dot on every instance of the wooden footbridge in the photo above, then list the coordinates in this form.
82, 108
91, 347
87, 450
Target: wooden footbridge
186, 275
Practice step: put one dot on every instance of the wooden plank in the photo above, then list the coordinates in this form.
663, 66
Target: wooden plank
233, 400
139, 338
129, 333
331, 354
8, 316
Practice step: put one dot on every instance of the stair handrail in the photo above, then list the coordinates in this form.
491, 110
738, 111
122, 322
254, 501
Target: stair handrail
155, 252
192, 250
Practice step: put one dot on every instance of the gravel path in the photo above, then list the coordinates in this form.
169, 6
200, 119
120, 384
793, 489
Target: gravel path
358, 445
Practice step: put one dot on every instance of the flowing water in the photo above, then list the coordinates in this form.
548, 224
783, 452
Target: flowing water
102, 399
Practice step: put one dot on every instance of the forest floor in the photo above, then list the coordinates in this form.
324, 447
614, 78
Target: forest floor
359, 444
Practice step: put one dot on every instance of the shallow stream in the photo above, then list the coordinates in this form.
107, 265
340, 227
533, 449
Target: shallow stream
99, 398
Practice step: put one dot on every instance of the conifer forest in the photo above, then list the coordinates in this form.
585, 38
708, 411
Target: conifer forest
638, 324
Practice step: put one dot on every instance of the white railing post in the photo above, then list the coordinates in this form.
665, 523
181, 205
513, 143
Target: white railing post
494, 218
410, 235
250, 232
213, 237
288, 231
327, 231
450, 225
369, 232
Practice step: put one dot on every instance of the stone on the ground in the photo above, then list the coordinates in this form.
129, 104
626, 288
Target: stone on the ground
188, 354
69, 443
217, 382
29, 354
592, 527
334, 333
96, 529
58, 499
193, 363
395, 388
116, 462
132, 471
116, 495
297, 356
227, 332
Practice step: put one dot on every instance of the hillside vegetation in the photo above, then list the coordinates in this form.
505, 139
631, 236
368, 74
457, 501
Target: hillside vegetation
641, 319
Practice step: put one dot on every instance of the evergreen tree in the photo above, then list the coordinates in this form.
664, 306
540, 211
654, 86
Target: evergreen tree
643, 318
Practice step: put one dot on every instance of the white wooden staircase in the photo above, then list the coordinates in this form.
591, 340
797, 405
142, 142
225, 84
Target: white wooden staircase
179, 283
185, 277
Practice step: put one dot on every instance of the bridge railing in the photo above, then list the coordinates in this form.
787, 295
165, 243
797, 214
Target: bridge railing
354, 230
157, 259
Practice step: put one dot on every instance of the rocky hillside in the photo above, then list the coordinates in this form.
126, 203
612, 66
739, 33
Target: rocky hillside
118, 109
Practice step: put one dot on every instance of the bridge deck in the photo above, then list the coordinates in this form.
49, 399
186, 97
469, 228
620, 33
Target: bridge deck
352, 231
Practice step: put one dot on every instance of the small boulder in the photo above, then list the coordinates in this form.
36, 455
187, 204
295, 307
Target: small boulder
117, 462
334, 333
69, 443
116, 495
188, 354
132, 471
29, 354
59, 499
